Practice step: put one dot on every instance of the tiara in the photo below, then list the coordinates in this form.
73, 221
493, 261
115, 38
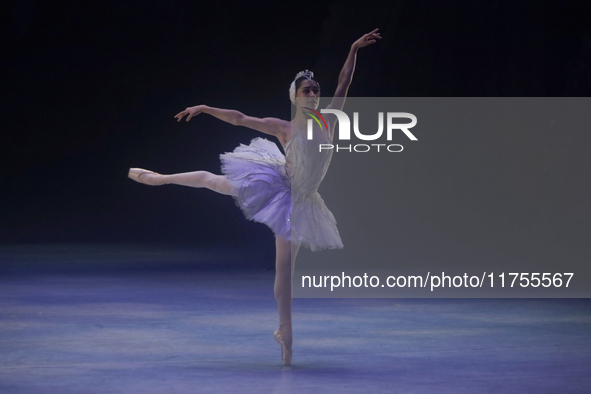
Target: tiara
306, 74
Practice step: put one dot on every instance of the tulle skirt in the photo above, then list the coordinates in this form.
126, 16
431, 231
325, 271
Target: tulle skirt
262, 190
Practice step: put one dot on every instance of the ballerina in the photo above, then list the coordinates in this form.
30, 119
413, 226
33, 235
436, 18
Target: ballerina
275, 189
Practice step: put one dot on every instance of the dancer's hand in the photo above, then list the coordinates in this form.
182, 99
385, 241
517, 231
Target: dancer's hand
191, 111
367, 39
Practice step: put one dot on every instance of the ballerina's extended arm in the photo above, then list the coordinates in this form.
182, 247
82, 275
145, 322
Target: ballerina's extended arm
272, 126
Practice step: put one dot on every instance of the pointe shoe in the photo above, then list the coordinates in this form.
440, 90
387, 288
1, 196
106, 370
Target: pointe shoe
136, 173
285, 340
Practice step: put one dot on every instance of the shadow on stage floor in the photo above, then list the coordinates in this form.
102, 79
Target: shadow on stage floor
148, 319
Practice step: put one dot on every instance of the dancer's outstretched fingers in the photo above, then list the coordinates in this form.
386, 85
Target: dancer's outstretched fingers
180, 115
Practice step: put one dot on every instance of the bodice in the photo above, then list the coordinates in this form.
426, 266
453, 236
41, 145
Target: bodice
305, 163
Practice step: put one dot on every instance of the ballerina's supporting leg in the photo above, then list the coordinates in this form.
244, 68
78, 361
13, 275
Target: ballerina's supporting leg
217, 183
286, 254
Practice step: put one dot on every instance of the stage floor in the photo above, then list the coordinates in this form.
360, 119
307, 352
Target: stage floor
189, 328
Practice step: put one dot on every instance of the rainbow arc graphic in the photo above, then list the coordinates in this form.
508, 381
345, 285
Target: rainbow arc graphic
312, 114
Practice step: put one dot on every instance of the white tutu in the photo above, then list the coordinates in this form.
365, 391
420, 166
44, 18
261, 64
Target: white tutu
281, 191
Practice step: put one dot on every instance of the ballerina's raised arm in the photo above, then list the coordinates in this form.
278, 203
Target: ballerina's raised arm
346, 75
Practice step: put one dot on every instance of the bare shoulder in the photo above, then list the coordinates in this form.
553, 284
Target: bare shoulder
273, 126
285, 133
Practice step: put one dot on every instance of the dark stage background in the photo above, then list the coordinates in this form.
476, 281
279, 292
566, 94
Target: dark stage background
90, 89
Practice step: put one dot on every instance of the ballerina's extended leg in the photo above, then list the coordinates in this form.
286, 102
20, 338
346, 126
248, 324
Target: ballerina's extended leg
217, 183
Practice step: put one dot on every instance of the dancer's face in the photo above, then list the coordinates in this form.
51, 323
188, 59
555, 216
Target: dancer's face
308, 94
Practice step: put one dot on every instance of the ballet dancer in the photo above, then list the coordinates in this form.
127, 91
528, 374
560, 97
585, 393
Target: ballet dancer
275, 189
